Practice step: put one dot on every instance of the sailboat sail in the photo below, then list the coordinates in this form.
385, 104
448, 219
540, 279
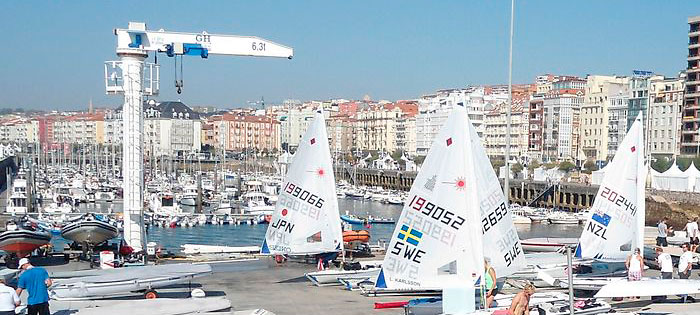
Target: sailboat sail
616, 223
306, 218
441, 229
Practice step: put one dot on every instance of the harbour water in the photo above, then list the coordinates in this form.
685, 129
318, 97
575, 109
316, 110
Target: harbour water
243, 235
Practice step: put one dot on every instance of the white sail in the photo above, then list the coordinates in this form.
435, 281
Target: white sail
616, 223
441, 230
306, 218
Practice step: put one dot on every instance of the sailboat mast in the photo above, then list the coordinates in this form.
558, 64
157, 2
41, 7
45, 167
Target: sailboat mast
506, 178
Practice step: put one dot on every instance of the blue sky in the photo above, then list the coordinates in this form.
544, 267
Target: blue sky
54, 50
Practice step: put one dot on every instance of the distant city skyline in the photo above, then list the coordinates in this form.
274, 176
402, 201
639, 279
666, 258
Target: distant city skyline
389, 50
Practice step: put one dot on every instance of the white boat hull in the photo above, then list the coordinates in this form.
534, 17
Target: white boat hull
160, 307
91, 232
123, 281
547, 244
649, 287
331, 277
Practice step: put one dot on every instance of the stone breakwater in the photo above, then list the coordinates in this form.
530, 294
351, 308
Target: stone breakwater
677, 206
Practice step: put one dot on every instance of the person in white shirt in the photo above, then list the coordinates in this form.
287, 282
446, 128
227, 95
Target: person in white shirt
685, 265
693, 233
8, 299
665, 263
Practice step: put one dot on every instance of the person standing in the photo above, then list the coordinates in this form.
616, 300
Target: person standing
9, 299
691, 228
666, 265
635, 265
685, 265
663, 233
36, 281
489, 283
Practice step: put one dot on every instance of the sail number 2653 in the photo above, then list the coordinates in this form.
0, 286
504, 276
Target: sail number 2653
436, 212
304, 195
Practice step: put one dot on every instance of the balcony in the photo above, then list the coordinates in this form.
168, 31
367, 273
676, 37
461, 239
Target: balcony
692, 94
693, 57
690, 132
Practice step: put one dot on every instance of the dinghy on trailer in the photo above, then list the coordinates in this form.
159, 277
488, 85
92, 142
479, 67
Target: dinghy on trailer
306, 220
615, 225
616, 222
160, 307
125, 281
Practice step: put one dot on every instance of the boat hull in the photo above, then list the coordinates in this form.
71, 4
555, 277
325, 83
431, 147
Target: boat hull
91, 232
111, 282
23, 242
330, 277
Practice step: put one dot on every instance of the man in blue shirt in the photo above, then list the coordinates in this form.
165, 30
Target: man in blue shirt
36, 281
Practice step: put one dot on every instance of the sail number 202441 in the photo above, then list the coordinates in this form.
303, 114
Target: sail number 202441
436, 212
304, 195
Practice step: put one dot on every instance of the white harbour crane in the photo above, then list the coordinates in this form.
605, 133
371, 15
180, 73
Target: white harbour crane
135, 78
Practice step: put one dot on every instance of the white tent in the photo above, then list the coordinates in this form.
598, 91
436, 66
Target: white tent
543, 174
502, 172
597, 176
653, 174
539, 175
693, 175
673, 179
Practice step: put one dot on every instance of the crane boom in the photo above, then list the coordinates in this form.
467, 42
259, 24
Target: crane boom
133, 46
204, 44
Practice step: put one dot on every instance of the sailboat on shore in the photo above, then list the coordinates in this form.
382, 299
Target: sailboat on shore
455, 217
306, 220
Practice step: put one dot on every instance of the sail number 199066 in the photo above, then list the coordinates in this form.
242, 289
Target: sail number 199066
304, 195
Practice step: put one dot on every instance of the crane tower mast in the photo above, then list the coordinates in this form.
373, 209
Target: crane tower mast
127, 76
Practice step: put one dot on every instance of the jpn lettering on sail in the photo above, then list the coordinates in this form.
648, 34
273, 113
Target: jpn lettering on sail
501, 242
306, 218
435, 234
613, 228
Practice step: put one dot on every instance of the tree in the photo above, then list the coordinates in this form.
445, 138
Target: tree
661, 164
516, 169
396, 155
533, 165
496, 165
566, 166
589, 166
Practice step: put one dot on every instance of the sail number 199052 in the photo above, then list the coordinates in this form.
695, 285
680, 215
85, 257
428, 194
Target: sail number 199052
436, 212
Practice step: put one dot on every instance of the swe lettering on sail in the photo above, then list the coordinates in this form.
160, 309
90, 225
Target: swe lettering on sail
514, 252
407, 252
